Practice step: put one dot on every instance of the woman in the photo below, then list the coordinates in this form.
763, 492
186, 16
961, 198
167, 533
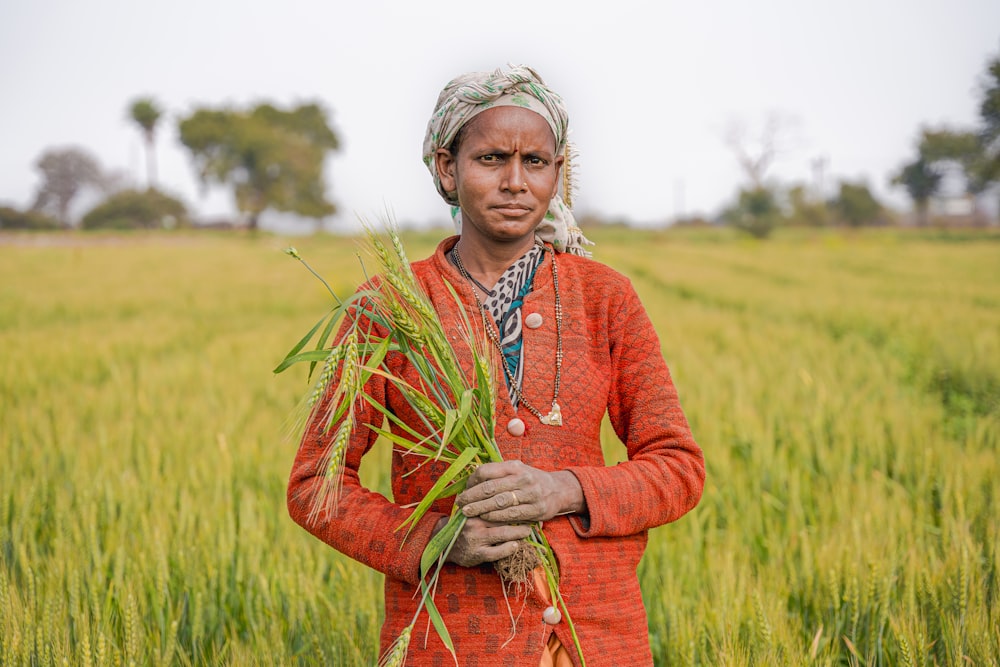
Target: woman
573, 344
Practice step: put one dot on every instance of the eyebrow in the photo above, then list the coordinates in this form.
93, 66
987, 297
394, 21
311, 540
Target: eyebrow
530, 152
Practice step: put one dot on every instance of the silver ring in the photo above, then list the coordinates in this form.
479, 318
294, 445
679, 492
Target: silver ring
514, 496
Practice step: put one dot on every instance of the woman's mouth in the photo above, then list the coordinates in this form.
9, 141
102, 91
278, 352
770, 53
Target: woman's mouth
512, 209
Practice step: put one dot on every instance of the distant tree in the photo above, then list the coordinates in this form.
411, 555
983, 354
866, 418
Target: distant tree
989, 108
756, 212
12, 218
132, 209
946, 144
756, 153
972, 153
989, 116
272, 158
961, 151
921, 181
856, 204
65, 172
146, 114
807, 210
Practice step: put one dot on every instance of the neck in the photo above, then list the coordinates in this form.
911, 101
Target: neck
487, 263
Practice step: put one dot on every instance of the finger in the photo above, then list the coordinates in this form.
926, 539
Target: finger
492, 471
488, 490
481, 541
487, 553
480, 492
496, 552
505, 500
521, 514
508, 533
477, 531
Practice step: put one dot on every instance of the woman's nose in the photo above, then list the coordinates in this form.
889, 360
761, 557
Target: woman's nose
515, 177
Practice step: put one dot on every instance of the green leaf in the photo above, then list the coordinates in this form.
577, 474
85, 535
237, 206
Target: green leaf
374, 360
302, 343
386, 412
335, 316
441, 543
456, 468
292, 359
450, 418
454, 421
455, 487
417, 447
437, 620
325, 336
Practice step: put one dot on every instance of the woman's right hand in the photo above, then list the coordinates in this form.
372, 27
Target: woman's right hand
483, 541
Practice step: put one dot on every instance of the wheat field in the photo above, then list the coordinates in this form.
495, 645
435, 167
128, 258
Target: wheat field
845, 389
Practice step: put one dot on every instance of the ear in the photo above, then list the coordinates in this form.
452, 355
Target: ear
560, 159
446, 166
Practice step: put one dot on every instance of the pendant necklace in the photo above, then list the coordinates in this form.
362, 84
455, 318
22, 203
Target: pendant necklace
554, 418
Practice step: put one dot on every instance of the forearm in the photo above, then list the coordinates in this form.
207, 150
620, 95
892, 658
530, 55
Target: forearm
643, 493
336, 508
665, 472
363, 525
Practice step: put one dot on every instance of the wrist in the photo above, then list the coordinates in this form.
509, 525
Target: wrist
571, 498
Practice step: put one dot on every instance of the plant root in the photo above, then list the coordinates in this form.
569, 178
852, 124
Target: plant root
516, 569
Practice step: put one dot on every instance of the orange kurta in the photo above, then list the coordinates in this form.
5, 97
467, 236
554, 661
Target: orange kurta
612, 365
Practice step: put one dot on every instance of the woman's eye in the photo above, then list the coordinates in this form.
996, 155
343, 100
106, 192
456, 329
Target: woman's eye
535, 161
493, 157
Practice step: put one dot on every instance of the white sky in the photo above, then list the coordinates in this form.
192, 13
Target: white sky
651, 86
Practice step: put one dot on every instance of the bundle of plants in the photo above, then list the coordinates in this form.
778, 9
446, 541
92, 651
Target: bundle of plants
392, 315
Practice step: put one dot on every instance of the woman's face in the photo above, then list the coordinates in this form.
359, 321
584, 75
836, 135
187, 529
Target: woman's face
505, 172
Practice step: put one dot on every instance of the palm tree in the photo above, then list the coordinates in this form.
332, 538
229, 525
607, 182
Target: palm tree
146, 114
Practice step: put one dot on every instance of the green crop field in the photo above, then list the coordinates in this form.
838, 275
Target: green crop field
845, 389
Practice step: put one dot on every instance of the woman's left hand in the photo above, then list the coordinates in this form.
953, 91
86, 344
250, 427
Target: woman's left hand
513, 492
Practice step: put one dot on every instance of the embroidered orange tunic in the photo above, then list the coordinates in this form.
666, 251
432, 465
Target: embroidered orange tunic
612, 365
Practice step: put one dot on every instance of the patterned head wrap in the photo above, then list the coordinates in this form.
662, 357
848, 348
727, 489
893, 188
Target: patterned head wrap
469, 95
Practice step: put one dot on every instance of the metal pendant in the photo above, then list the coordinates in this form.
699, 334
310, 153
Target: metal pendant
554, 418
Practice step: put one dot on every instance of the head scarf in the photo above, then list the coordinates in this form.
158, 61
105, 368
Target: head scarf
469, 95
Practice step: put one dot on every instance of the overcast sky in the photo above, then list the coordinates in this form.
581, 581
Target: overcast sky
652, 87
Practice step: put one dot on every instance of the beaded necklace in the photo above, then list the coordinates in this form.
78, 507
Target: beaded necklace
554, 418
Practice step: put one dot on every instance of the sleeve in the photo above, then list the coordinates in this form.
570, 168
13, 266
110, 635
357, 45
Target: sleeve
665, 472
361, 523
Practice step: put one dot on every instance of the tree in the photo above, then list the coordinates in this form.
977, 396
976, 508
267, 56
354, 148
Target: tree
65, 172
989, 115
921, 182
146, 114
132, 209
12, 218
989, 108
807, 209
856, 204
272, 158
755, 155
973, 152
963, 151
756, 212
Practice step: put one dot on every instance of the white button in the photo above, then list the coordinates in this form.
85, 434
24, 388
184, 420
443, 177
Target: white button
515, 427
551, 615
533, 321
